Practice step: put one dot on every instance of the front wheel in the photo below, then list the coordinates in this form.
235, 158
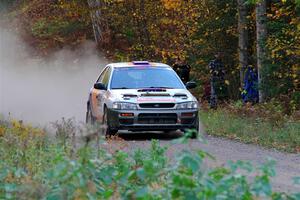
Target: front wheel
194, 131
89, 119
170, 130
107, 130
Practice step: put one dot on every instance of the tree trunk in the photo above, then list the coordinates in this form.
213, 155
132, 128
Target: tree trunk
261, 34
95, 12
243, 38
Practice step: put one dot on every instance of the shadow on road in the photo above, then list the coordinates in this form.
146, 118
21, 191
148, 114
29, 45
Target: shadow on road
149, 135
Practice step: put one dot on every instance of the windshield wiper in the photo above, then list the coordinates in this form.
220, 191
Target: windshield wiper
162, 87
120, 88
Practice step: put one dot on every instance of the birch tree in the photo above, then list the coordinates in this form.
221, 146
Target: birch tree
261, 34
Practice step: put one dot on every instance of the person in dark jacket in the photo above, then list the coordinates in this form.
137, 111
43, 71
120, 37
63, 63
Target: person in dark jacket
250, 89
182, 69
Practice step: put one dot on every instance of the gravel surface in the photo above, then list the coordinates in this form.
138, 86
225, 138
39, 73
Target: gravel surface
287, 167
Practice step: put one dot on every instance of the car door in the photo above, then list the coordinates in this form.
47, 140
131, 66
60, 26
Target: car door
97, 96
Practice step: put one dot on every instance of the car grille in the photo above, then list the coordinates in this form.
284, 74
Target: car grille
157, 105
126, 121
157, 118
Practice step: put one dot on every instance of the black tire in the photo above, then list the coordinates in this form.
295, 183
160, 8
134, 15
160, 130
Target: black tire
169, 130
196, 127
89, 119
195, 133
108, 131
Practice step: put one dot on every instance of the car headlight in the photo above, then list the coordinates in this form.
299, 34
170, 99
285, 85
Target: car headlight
187, 105
124, 106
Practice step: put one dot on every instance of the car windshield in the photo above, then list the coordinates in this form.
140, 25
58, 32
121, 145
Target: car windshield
145, 77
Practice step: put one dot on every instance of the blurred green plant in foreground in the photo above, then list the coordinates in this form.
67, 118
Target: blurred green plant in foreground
34, 167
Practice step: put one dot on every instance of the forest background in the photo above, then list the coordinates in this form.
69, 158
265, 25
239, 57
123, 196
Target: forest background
162, 30
264, 34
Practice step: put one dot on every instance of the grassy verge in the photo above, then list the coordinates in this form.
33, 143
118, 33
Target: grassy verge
282, 135
34, 167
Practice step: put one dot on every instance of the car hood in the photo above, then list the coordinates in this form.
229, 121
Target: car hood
151, 95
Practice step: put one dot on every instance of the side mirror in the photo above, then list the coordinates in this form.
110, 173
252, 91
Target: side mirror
190, 85
100, 86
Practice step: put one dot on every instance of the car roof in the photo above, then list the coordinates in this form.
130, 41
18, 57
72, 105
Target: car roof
137, 63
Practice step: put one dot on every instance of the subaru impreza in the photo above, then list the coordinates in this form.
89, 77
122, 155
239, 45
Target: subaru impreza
142, 96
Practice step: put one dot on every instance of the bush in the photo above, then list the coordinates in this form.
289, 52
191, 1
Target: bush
143, 174
44, 27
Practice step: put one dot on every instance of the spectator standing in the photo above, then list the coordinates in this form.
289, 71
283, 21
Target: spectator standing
250, 89
182, 69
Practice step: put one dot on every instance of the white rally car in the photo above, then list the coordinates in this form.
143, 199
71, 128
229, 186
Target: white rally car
142, 96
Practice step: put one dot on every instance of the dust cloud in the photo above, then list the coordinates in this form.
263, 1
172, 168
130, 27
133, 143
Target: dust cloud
40, 91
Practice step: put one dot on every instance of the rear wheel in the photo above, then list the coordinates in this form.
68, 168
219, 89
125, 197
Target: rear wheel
89, 119
108, 131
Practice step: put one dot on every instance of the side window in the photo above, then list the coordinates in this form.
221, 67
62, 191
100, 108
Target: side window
106, 76
99, 80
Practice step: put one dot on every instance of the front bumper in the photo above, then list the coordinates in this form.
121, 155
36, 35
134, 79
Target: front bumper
155, 120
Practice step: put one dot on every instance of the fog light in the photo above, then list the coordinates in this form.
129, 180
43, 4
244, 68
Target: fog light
187, 114
126, 114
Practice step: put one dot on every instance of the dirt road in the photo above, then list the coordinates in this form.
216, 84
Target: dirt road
288, 165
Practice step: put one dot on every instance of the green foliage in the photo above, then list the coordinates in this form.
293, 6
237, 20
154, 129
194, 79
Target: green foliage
164, 30
49, 24
195, 31
295, 100
142, 174
281, 71
48, 28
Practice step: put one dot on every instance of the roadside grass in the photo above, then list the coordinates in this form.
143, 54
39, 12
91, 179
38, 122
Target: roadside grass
33, 166
282, 134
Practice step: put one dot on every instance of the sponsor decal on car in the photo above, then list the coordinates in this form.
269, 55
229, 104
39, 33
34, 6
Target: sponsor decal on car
150, 99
